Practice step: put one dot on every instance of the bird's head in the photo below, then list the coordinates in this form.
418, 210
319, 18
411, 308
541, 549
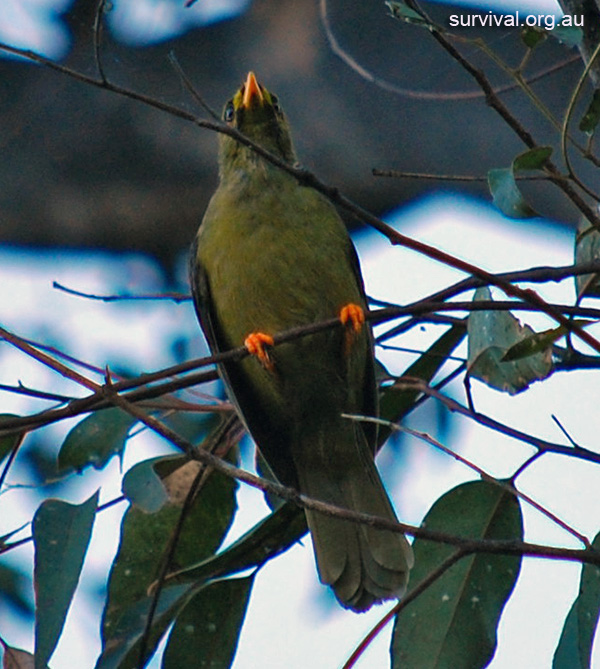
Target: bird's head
256, 113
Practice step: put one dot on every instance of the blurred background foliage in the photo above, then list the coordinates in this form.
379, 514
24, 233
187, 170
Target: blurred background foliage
83, 167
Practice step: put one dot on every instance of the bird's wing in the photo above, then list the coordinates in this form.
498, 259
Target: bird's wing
371, 398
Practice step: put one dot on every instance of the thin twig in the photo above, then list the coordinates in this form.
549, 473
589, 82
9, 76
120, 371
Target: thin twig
37, 394
467, 178
97, 32
507, 487
50, 362
190, 87
565, 129
174, 297
538, 443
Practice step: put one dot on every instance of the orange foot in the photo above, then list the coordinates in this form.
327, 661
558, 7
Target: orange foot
353, 317
256, 343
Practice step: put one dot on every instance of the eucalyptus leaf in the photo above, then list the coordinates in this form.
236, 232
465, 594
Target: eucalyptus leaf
491, 335
567, 654
145, 538
207, 630
143, 487
506, 194
268, 538
534, 159
61, 535
587, 249
401, 10
128, 630
13, 586
453, 623
538, 342
8, 442
16, 658
574, 649
531, 36
95, 439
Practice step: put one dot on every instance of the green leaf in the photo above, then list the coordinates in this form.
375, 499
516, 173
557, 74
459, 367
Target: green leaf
395, 402
587, 249
453, 623
128, 629
61, 535
190, 426
10, 441
491, 335
143, 487
591, 117
270, 537
506, 194
574, 649
95, 440
400, 10
534, 159
566, 655
206, 632
538, 342
145, 538
531, 36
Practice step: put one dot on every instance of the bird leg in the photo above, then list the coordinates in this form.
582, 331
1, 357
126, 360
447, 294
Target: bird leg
256, 344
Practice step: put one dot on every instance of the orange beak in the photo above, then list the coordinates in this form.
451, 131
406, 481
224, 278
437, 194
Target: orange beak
252, 92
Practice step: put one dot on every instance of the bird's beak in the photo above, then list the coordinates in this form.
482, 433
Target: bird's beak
252, 92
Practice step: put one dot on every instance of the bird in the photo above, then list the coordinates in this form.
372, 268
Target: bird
272, 254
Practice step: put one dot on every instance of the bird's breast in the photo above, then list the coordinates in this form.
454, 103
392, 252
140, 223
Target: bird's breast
275, 262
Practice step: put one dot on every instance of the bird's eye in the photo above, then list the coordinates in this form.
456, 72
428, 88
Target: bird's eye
229, 112
275, 104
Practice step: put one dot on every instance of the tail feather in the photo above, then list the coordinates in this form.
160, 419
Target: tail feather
348, 559
364, 565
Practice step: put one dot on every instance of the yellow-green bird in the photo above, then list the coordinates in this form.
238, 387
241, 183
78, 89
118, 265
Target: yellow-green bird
271, 255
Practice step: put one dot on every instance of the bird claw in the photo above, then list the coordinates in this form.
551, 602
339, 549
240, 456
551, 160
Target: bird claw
256, 343
352, 317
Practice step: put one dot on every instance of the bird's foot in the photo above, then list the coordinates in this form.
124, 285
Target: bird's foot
353, 317
256, 344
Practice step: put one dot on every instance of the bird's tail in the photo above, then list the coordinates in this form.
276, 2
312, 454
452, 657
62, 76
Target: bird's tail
362, 564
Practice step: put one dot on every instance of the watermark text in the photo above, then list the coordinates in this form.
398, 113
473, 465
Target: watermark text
516, 20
